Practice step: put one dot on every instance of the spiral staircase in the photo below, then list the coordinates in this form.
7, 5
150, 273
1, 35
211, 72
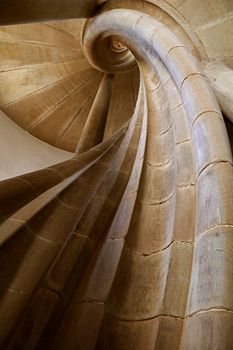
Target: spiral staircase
116, 191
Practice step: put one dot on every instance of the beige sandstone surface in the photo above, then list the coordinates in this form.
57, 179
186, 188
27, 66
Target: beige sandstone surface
116, 191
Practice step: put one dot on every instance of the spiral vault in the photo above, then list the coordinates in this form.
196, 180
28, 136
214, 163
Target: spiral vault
117, 182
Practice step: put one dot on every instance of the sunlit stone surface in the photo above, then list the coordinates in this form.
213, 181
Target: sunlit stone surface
116, 191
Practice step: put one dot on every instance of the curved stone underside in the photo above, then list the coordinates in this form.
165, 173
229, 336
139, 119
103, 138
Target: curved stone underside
128, 244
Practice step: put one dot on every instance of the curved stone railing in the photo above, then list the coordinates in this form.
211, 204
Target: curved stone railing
128, 244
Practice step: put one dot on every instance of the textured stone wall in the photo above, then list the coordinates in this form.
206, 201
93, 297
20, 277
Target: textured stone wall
128, 244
